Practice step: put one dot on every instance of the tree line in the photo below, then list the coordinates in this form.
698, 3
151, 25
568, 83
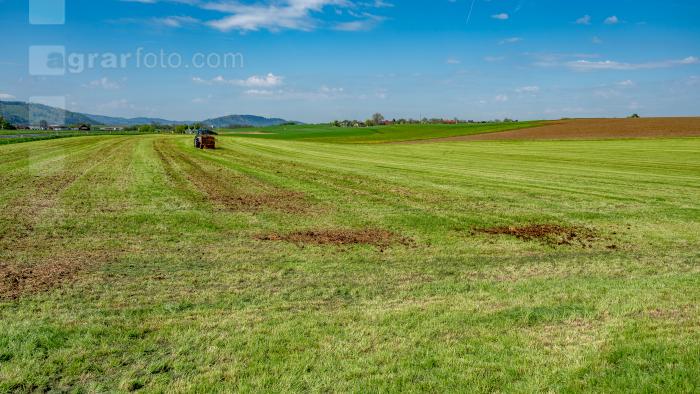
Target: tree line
379, 120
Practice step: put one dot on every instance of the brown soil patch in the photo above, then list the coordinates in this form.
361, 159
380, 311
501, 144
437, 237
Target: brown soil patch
551, 234
593, 129
16, 281
376, 237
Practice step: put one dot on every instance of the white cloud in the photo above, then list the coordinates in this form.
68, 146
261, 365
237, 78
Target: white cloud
259, 92
103, 83
6, 96
584, 20
502, 16
377, 4
585, 65
278, 15
285, 15
612, 20
327, 90
511, 40
546, 59
323, 93
254, 81
368, 22
268, 80
176, 21
596, 40
501, 98
492, 59
528, 89
626, 83
453, 61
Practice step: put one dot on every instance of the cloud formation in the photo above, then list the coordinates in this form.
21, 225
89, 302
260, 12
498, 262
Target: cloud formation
278, 15
103, 83
511, 40
585, 65
584, 20
612, 20
254, 81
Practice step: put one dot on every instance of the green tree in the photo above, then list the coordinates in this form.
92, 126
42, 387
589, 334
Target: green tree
377, 118
5, 125
147, 128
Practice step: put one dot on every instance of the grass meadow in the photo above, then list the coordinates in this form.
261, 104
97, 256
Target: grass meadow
139, 263
375, 134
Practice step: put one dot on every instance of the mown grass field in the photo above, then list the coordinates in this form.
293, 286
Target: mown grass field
21, 136
375, 134
138, 263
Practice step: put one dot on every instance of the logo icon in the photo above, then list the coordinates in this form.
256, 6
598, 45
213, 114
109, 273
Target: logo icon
47, 12
47, 60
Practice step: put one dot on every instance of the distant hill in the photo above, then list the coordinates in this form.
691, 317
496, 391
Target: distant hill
17, 112
21, 113
116, 121
244, 120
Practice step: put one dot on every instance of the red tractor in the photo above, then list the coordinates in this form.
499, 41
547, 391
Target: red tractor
205, 139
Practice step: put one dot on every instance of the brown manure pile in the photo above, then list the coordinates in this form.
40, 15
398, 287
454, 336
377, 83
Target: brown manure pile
16, 281
551, 234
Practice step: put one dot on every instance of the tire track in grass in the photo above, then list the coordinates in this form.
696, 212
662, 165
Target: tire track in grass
22, 271
336, 184
42, 192
225, 189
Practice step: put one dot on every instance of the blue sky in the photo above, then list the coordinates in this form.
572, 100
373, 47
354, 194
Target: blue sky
318, 60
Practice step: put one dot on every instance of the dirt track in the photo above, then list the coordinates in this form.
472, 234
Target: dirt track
593, 129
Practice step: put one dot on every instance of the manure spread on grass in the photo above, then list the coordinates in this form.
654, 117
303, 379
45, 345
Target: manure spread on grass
551, 234
16, 281
375, 237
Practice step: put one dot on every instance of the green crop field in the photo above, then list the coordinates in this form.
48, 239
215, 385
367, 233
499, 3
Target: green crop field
277, 265
376, 134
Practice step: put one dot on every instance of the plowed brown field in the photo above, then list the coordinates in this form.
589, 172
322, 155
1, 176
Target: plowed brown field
593, 129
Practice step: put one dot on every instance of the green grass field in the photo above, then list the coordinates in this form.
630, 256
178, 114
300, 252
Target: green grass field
376, 134
138, 262
21, 136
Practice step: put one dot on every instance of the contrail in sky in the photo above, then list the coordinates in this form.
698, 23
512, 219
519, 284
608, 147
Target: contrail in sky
469, 17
